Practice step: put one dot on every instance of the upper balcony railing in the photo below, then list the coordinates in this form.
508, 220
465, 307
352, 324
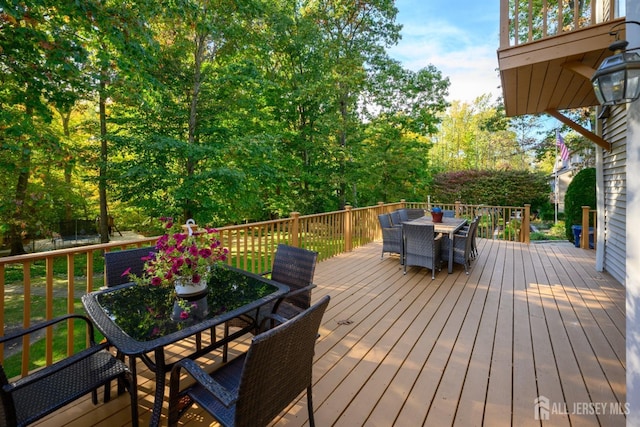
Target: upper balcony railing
526, 21
39, 286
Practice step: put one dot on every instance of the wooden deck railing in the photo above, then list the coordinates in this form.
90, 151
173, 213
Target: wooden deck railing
589, 219
525, 21
251, 247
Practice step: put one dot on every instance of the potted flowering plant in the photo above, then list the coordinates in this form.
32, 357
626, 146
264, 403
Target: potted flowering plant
436, 214
183, 258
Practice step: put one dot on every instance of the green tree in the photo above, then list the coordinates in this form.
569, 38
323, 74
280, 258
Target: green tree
476, 136
355, 33
41, 62
402, 111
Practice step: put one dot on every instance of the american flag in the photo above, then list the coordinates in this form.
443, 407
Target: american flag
564, 151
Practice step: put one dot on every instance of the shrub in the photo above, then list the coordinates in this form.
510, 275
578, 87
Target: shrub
495, 188
581, 192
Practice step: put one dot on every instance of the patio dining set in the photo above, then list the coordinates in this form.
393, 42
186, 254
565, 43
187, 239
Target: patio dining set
139, 323
428, 241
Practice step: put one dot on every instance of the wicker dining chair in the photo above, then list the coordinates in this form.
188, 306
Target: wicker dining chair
474, 236
294, 267
421, 247
41, 392
116, 264
391, 236
256, 386
461, 246
449, 214
409, 214
396, 218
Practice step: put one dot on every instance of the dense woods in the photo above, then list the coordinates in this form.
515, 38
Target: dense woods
222, 110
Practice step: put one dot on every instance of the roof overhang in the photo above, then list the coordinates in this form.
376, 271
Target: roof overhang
554, 73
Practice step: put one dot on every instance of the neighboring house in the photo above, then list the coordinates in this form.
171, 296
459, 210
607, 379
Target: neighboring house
562, 178
547, 68
564, 173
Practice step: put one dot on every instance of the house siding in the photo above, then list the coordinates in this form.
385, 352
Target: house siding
615, 196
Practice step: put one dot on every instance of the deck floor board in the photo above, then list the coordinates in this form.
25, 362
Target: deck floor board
529, 321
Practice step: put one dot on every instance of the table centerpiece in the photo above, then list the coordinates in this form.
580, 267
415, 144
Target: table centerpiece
436, 214
184, 258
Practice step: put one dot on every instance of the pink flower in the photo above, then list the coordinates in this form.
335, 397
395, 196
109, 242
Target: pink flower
126, 272
193, 250
180, 255
184, 315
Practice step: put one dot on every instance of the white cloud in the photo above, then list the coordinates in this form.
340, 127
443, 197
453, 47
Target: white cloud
463, 51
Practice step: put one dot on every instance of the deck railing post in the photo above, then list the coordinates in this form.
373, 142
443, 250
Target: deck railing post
584, 239
457, 209
295, 228
348, 228
526, 229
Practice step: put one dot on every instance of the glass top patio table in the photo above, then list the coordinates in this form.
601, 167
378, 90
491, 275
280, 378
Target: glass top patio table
140, 321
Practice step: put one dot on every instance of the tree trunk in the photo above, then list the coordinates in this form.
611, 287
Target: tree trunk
68, 165
201, 41
16, 229
102, 183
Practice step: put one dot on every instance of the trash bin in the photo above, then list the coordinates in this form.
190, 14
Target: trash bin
577, 231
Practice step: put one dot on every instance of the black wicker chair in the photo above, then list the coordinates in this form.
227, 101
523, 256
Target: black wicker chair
391, 236
256, 386
396, 218
462, 243
474, 235
408, 214
116, 264
44, 391
295, 268
421, 247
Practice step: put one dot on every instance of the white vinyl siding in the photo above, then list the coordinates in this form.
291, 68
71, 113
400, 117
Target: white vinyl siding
615, 194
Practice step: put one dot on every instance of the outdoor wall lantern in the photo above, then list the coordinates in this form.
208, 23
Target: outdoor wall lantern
617, 80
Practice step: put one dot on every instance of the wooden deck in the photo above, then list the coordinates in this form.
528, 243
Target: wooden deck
530, 321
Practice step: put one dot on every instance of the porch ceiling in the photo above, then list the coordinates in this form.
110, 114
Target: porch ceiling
554, 73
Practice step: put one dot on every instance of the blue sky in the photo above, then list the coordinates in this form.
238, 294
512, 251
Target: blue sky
459, 37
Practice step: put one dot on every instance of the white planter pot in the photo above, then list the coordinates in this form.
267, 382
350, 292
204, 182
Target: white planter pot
185, 289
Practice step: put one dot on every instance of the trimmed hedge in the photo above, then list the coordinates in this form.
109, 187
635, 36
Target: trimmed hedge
495, 188
581, 192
